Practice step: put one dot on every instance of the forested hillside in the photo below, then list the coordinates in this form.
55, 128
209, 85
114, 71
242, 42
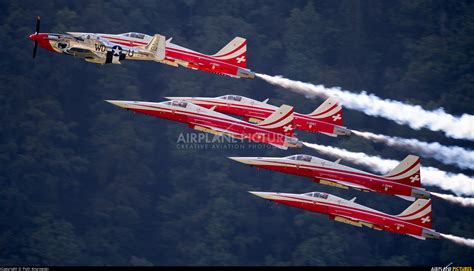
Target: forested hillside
86, 183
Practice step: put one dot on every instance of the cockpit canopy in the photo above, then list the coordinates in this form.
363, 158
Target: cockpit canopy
89, 36
317, 195
133, 35
182, 104
239, 99
300, 157
179, 103
231, 97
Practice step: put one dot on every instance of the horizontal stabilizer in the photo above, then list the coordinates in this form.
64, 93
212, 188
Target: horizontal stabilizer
417, 237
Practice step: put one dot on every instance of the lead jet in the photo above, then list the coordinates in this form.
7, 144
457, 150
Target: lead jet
415, 221
403, 181
277, 129
326, 119
101, 48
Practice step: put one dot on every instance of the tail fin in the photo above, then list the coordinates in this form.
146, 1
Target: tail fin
281, 121
330, 111
419, 213
407, 172
235, 53
157, 46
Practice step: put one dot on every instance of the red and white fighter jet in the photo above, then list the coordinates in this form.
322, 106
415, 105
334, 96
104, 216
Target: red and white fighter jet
100, 48
415, 221
277, 129
403, 181
326, 119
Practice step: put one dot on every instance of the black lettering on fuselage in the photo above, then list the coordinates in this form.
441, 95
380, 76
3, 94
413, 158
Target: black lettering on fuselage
100, 47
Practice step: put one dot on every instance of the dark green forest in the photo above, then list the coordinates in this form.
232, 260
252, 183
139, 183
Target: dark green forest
86, 183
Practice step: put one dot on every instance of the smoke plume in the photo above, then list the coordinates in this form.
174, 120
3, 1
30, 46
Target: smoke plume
412, 115
450, 155
459, 240
466, 202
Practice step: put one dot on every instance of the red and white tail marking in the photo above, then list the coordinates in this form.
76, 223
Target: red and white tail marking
330, 111
419, 213
407, 172
235, 53
281, 121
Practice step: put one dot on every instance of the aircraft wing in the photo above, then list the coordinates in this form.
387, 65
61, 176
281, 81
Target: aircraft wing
84, 53
355, 186
347, 184
356, 221
222, 132
213, 130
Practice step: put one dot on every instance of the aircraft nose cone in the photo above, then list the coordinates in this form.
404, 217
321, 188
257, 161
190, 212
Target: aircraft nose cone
244, 160
123, 104
33, 37
264, 195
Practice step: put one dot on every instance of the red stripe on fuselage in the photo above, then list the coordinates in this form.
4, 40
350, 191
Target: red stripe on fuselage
196, 55
225, 104
210, 117
125, 40
358, 211
333, 170
302, 121
125, 44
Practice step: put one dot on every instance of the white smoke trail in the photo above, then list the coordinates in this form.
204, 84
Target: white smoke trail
460, 184
413, 115
466, 202
452, 155
459, 240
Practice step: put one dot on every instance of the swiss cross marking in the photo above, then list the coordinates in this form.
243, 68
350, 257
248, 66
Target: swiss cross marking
288, 128
336, 117
240, 59
414, 178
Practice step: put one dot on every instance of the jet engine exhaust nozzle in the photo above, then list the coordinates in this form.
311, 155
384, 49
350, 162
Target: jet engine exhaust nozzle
244, 73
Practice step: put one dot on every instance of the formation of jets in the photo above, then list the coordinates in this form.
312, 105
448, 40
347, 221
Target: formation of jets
259, 121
